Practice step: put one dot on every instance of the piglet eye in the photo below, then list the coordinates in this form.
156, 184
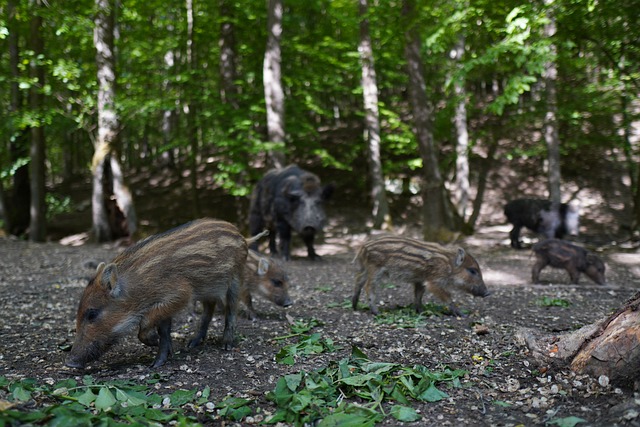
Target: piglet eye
472, 271
277, 283
91, 315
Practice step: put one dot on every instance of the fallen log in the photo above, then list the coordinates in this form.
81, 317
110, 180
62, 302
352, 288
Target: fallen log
608, 348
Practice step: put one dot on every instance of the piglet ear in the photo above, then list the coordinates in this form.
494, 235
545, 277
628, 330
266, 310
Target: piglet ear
460, 257
109, 280
263, 266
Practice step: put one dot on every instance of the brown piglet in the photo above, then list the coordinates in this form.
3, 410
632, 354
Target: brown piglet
574, 259
146, 285
266, 277
426, 265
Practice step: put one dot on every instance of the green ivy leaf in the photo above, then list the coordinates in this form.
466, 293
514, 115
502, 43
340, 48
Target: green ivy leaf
87, 398
21, 394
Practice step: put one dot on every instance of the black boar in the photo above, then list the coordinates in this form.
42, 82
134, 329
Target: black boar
537, 216
574, 259
425, 265
286, 199
147, 284
266, 277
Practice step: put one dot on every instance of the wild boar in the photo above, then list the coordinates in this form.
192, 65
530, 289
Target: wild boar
574, 259
266, 277
537, 216
286, 199
426, 265
149, 283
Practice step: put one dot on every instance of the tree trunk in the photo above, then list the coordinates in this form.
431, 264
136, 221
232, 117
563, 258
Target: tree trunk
434, 209
112, 206
19, 198
273, 93
462, 139
551, 136
381, 216
192, 131
228, 88
37, 224
609, 347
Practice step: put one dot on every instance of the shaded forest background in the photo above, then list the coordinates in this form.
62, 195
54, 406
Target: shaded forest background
168, 106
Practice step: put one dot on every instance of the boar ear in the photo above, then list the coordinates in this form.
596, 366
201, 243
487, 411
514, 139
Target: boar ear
100, 267
263, 266
109, 280
460, 257
327, 191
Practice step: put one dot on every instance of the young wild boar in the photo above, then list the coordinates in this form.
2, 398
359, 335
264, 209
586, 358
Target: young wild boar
426, 265
574, 259
266, 277
150, 282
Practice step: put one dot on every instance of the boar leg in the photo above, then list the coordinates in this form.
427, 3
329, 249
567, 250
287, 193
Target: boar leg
165, 349
574, 274
441, 294
536, 269
361, 278
514, 235
207, 313
230, 310
418, 292
308, 238
285, 240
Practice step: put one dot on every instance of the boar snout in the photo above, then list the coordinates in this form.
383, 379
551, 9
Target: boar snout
480, 291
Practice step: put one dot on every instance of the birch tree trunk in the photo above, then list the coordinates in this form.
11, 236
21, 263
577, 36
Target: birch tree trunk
272, 80
37, 224
380, 212
228, 89
551, 136
111, 202
462, 139
434, 209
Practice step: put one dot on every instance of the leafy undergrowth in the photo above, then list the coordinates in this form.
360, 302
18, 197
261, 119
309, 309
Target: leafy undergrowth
353, 391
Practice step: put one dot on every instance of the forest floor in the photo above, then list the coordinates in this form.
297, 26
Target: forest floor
40, 285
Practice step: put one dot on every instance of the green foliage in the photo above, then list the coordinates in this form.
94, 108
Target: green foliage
406, 317
353, 390
117, 402
552, 302
567, 422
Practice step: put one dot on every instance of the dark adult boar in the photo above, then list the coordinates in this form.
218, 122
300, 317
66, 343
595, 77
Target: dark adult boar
150, 282
289, 199
574, 259
266, 277
426, 265
537, 216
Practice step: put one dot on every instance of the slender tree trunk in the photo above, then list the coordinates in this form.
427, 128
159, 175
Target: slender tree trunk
462, 139
192, 131
434, 210
273, 92
381, 215
551, 135
19, 198
228, 88
112, 206
37, 224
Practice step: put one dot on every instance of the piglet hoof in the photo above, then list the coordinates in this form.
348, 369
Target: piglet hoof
227, 346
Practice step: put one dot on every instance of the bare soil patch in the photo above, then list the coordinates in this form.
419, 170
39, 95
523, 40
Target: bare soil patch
40, 285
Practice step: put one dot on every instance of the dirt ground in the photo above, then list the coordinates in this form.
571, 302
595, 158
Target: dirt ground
40, 285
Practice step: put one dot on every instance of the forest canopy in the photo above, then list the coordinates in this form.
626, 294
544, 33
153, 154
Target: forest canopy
182, 84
